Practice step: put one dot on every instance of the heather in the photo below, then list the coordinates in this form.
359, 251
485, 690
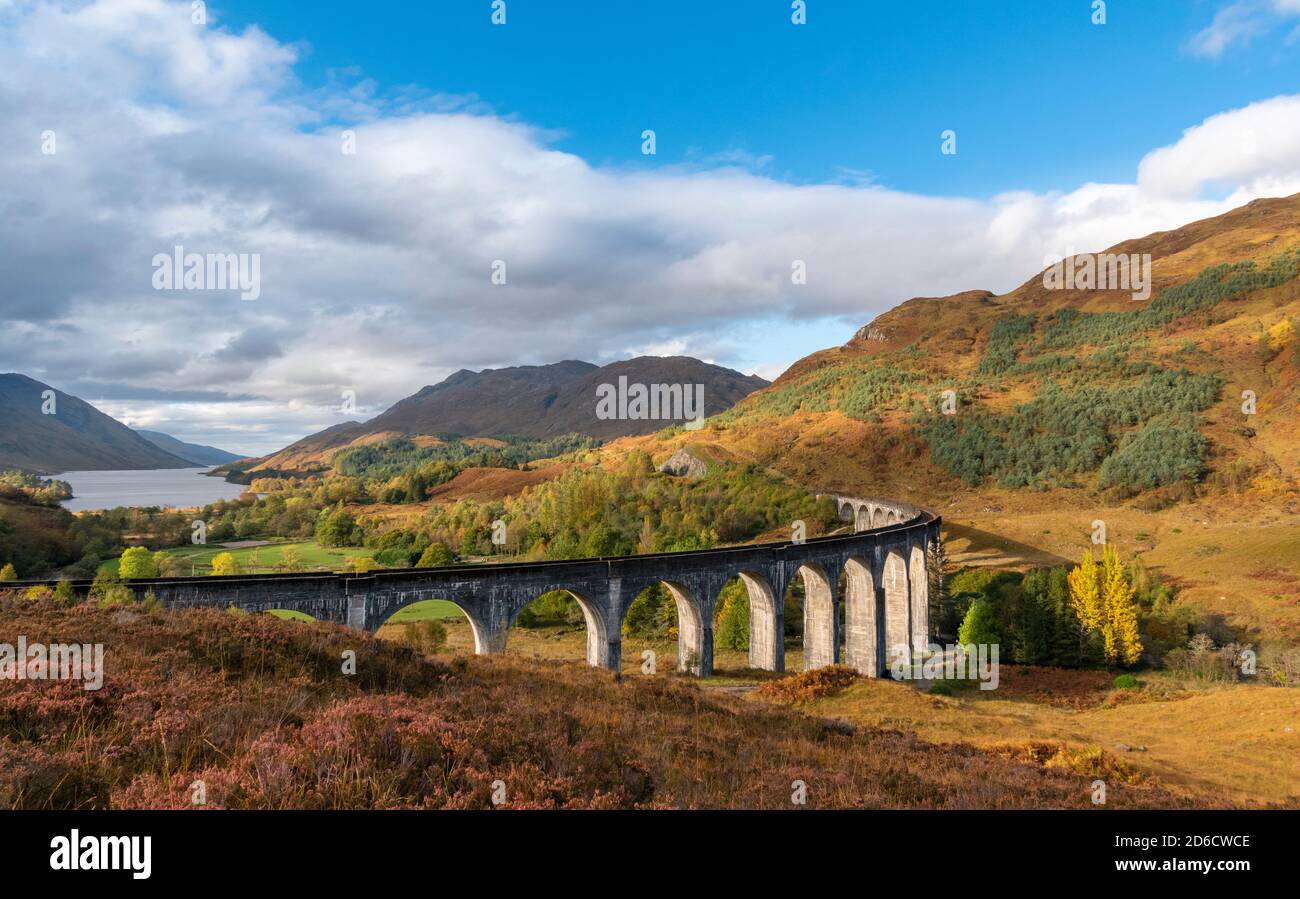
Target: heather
261, 712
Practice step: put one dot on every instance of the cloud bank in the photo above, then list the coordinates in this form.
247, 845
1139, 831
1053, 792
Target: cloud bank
376, 266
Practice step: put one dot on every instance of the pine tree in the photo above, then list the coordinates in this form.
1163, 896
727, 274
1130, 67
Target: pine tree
943, 613
1122, 641
1066, 647
1034, 620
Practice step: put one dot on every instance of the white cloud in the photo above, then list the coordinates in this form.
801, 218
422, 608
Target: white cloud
1240, 22
375, 267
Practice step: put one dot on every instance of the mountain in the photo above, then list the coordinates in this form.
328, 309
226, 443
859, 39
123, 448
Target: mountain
74, 437
1169, 423
192, 452
1087, 390
523, 401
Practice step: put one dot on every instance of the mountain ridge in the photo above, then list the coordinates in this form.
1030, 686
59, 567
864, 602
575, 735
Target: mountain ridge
197, 453
75, 436
531, 401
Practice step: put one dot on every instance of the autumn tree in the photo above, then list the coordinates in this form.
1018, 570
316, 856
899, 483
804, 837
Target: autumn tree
1123, 643
1102, 599
225, 564
1085, 600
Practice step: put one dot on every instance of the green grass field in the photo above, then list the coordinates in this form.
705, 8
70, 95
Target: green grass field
290, 615
425, 610
261, 559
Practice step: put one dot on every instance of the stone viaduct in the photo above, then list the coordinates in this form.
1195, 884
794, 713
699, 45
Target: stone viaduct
878, 572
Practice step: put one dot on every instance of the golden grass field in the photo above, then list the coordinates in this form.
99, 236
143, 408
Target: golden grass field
1236, 742
1245, 568
1211, 744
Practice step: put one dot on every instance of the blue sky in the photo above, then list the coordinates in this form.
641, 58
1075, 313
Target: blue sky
778, 145
1040, 97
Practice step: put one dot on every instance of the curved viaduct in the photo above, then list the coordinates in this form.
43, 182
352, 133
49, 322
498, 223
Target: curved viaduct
885, 593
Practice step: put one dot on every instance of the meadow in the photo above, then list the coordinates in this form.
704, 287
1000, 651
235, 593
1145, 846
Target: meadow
262, 558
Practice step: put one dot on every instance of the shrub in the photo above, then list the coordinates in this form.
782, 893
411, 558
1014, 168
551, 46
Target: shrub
1126, 682
396, 557
1157, 455
428, 636
809, 685
435, 555
550, 609
980, 626
64, 594
1280, 664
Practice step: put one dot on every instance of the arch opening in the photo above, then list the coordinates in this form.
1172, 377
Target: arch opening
748, 619
435, 624
547, 628
664, 620
289, 615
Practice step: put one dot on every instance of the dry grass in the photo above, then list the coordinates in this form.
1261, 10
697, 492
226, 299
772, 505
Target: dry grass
259, 710
1212, 745
1237, 743
1238, 561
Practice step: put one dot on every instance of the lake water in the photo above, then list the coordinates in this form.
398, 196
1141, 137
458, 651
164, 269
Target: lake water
181, 488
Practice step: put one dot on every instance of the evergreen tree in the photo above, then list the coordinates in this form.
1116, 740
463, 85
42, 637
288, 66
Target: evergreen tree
944, 618
1034, 621
1067, 650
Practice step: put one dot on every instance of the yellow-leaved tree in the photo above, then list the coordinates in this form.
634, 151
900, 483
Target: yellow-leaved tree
225, 564
1085, 594
1102, 598
1120, 634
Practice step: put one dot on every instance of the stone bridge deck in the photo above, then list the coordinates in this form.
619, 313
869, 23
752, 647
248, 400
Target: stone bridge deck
882, 571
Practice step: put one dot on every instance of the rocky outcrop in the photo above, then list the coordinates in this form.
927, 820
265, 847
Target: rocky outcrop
685, 464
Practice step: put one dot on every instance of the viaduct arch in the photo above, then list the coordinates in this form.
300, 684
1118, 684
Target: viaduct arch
885, 599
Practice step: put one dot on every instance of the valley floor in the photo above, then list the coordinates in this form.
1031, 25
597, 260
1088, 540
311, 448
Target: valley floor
1214, 745
1224, 560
